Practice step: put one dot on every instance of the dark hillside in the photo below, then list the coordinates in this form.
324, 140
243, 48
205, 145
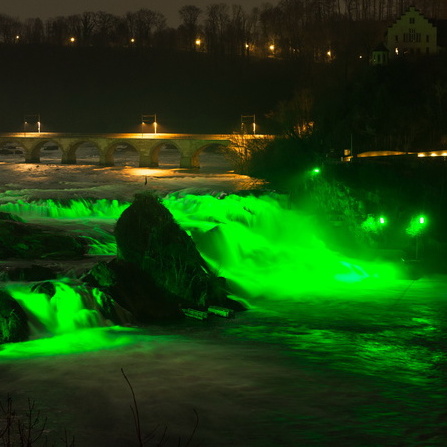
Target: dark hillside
106, 89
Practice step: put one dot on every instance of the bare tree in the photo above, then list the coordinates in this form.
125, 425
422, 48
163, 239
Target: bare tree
87, 27
216, 27
105, 25
143, 24
33, 31
9, 28
190, 24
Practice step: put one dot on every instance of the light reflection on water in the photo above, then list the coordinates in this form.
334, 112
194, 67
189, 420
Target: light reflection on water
354, 366
316, 372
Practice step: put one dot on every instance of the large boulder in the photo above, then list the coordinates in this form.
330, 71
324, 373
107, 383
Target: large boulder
158, 269
13, 320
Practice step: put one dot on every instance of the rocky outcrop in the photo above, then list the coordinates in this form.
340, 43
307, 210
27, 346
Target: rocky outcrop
13, 320
158, 269
29, 241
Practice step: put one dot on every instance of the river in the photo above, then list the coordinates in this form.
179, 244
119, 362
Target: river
313, 362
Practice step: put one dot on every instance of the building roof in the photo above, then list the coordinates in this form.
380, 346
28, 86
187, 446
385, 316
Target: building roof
381, 48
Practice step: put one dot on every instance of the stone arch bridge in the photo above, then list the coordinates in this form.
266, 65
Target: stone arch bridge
147, 145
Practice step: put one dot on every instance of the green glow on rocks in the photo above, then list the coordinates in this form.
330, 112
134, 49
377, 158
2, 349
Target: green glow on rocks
62, 313
79, 210
417, 225
264, 248
261, 245
73, 209
374, 224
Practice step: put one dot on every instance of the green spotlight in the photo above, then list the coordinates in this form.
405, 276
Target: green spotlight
316, 170
382, 220
417, 225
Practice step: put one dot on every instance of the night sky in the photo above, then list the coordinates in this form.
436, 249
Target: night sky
52, 8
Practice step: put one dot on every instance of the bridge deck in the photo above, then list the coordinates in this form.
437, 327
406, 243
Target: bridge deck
139, 135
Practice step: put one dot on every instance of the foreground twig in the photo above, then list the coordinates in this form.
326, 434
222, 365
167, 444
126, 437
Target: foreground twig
136, 418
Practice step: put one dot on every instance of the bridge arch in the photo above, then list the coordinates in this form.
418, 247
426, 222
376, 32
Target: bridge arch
71, 155
13, 150
217, 149
34, 154
108, 155
162, 146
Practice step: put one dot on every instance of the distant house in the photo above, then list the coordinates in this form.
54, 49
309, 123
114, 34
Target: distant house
380, 55
412, 33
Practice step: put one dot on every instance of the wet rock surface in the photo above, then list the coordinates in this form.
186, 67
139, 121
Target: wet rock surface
13, 320
158, 270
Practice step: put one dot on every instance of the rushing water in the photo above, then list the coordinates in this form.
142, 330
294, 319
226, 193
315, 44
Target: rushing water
333, 351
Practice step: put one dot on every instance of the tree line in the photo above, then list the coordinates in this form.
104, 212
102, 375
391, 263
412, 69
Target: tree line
291, 28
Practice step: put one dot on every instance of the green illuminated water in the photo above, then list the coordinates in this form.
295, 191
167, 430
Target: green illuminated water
72, 209
69, 308
260, 244
266, 248
334, 350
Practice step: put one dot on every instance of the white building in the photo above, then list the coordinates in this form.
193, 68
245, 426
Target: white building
412, 33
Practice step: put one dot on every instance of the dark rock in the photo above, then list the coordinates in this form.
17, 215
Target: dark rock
29, 241
46, 287
10, 216
132, 289
13, 320
159, 269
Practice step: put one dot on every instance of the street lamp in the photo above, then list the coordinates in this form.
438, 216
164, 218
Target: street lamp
247, 120
33, 118
149, 119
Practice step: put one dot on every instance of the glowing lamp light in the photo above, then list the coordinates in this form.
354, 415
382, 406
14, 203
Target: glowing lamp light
272, 47
382, 220
417, 225
316, 170
72, 39
132, 40
198, 42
